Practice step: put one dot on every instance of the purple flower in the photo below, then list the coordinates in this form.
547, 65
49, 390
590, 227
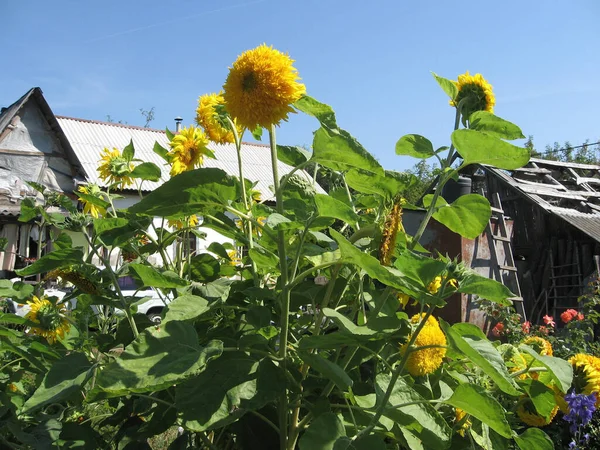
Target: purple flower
581, 409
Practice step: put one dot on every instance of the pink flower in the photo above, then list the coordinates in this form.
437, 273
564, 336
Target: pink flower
498, 329
549, 320
579, 316
526, 326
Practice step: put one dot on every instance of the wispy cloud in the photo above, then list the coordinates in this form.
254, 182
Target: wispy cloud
168, 22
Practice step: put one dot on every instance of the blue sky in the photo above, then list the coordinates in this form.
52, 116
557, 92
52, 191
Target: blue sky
370, 60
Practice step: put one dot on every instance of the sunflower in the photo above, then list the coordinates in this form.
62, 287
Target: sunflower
178, 224
188, 148
586, 374
540, 345
393, 224
465, 425
207, 117
477, 93
49, 319
114, 168
76, 277
234, 259
528, 415
261, 87
90, 208
427, 360
436, 284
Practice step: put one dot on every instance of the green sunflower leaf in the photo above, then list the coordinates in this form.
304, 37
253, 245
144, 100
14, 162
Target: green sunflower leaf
476, 147
414, 145
447, 85
129, 151
494, 125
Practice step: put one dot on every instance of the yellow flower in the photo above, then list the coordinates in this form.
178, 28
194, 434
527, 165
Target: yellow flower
393, 224
477, 92
403, 299
235, 260
114, 168
207, 118
13, 387
528, 415
191, 222
188, 148
436, 284
586, 374
540, 345
76, 278
88, 207
460, 414
49, 319
261, 87
427, 360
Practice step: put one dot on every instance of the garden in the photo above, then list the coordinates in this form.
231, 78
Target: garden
299, 336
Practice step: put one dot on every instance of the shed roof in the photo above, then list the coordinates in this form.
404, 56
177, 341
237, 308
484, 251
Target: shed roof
570, 191
89, 137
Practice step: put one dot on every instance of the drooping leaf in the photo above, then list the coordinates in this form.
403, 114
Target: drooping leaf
330, 207
468, 215
328, 369
322, 112
414, 145
263, 257
63, 240
146, 171
292, 155
188, 193
470, 340
65, 377
161, 151
534, 439
476, 147
561, 370
338, 150
92, 199
494, 125
204, 268
326, 432
160, 357
541, 396
53, 260
417, 417
486, 288
447, 85
475, 401
230, 386
388, 186
186, 307
29, 210
148, 276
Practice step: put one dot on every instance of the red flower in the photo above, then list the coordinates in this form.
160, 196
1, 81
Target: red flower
566, 317
549, 320
543, 330
526, 326
579, 316
498, 329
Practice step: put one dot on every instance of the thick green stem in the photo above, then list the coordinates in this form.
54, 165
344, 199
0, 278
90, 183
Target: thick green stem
42, 225
248, 225
285, 292
115, 282
444, 177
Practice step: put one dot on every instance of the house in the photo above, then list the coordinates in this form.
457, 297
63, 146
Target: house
63, 152
543, 239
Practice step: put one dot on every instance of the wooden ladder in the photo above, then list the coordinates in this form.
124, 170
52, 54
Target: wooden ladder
505, 271
562, 284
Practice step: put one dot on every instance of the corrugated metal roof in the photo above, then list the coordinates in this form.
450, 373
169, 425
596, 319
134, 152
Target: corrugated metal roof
88, 138
588, 223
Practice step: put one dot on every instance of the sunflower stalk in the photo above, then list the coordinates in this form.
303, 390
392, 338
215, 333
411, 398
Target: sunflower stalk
285, 291
247, 223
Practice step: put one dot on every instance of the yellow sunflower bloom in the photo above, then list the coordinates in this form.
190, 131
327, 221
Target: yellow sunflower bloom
188, 148
50, 321
261, 87
427, 360
540, 345
235, 260
460, 414
528, 415
191, 222
477, 92
207, 118
88, 207
586, 374
114, 168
